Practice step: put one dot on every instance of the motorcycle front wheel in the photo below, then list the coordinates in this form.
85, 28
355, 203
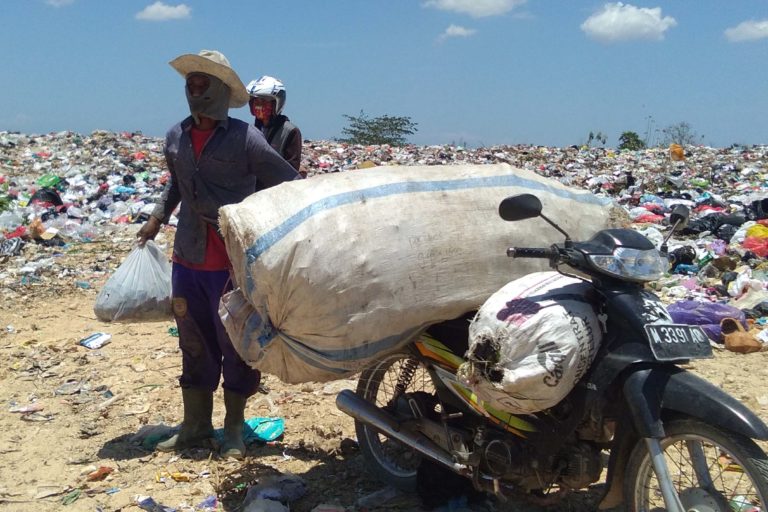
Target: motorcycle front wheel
711, 469
383, 384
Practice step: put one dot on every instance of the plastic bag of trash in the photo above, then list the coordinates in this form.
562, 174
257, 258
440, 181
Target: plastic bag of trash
531, 342
139, 290
707, 315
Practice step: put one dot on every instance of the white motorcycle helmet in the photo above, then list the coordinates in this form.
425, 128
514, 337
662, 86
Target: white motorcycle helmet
268, 87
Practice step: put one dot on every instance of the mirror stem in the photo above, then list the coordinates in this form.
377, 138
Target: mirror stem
664, 248
567, 238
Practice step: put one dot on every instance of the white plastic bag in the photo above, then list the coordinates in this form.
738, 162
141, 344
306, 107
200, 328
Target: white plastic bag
139, 290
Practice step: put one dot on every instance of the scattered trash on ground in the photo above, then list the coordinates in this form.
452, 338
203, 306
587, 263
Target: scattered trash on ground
96, 340
70, 206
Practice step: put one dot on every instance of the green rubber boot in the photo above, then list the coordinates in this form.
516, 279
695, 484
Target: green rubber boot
233, 445
197, 427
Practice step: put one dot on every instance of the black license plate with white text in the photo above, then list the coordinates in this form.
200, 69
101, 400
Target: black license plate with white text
674, 342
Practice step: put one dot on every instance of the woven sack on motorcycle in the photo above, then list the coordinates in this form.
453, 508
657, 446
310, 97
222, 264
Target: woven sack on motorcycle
531, 342
336, 270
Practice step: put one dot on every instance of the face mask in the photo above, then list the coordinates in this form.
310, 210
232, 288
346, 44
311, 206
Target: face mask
262, 110
213, 102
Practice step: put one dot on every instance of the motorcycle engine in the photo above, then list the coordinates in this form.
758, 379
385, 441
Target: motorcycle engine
577, 466
497, 458
583, 466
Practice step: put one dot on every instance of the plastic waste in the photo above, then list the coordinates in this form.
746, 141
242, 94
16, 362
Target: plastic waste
95, 340
705, 314
757, 231
100, 474
676, 152
71, 497
10, 220
258, 429
150, 505
652, 234
48, 180
149, 435
255, 430
757, 245
139, 290
683, 268
284, 488
10, 246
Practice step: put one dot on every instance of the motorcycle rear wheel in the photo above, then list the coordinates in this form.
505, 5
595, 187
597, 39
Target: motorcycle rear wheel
711, 469
391, 461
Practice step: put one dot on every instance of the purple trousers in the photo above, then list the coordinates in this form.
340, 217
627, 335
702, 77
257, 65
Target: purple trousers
206, 349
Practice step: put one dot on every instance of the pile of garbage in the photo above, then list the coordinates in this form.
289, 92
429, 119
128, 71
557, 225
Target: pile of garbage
66, 188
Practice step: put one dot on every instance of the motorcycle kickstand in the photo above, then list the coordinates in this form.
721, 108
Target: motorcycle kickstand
671, 498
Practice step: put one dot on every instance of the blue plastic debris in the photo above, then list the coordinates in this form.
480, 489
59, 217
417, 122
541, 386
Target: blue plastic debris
150, 505
257, 430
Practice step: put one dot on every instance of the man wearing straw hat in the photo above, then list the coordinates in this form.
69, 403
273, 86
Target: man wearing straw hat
213, 160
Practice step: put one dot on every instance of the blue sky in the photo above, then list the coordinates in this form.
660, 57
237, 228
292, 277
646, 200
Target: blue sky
475, 72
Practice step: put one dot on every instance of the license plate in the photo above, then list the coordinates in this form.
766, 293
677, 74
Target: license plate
670, 342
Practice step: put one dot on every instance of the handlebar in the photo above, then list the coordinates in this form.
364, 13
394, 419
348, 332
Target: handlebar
532, 252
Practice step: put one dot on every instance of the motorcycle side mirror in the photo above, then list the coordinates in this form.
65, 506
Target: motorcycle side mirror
678, 219
679, 216
520, 207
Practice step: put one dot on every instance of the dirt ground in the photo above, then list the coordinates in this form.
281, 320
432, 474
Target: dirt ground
68, 410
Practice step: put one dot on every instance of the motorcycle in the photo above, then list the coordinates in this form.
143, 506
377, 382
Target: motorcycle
669, 439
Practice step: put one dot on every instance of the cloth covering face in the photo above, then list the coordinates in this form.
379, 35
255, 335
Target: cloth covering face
213, 103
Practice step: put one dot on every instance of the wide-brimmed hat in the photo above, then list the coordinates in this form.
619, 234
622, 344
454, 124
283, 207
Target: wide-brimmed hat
214, 63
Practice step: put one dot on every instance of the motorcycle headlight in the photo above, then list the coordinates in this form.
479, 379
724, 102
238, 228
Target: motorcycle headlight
632, 264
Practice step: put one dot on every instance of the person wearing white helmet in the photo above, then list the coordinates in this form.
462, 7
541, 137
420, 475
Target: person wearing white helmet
213, 160
266, 103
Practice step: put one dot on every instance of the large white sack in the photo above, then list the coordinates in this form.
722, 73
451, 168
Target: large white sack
341, 268
537, 335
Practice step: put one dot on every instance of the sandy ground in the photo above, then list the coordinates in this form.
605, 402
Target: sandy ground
85, 407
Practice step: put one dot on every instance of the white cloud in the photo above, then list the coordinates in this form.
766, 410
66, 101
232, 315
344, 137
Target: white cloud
751, 30
159, 11
475, 8
456, 31
623, 22
59, 3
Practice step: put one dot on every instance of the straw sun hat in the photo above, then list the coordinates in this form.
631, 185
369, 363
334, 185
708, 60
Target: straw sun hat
215, 64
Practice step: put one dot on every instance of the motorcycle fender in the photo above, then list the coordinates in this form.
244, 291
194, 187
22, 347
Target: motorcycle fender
650, 390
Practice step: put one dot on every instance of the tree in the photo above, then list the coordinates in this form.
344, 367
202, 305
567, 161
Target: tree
631, 141
597, 137
680, 133
379, 130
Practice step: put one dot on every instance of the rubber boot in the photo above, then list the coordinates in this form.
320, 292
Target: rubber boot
233, 445
197, 426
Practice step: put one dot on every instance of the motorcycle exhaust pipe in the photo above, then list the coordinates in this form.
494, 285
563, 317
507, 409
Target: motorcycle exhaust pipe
362, 410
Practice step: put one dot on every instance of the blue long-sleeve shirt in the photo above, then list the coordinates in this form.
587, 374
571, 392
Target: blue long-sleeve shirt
235, 162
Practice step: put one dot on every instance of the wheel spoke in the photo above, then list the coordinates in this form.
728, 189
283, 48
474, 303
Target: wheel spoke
383, 385
708, 468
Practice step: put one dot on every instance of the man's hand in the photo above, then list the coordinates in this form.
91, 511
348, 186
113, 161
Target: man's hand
148, 231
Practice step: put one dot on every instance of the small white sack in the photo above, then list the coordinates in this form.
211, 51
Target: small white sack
543, 334
139, 290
